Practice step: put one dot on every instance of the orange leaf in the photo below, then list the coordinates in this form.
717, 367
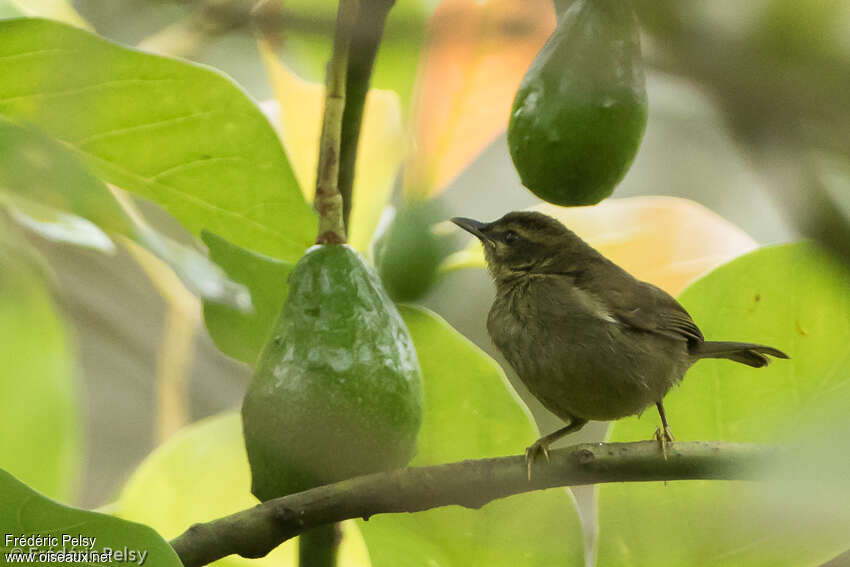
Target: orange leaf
476, 56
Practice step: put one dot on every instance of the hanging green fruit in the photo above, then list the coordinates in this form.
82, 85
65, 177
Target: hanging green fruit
337, 391
580, 111
409, 253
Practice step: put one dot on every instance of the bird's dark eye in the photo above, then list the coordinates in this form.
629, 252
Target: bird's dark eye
511, 237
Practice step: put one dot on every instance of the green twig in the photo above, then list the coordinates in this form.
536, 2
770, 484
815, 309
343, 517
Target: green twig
256, 531
365, 40
328, 201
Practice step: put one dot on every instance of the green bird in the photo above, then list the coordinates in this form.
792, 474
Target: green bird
588, 339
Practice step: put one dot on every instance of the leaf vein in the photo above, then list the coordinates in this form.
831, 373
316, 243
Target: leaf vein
86, 88
192, 164
262, 228
142, 127
37, 52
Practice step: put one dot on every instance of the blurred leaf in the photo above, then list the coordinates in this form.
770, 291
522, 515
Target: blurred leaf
795, 28
822, 208
179, 134
23, 511
307, 47
793, 297
208, 458
200, 276
46, 182
834, 175
61, 10
242, 335
476, 56
39, 431
667, 241
807, 488
381, 147
471, 412
9, 9
42, 170
59, 226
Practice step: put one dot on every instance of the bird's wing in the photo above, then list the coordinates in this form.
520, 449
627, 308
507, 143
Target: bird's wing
645, 307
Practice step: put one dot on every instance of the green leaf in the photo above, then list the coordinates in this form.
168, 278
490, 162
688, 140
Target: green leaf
236, 333
795, 298
471, 412
201, 474
179, 134
44, 181
39, 428
42, 170
198, 274
24, 512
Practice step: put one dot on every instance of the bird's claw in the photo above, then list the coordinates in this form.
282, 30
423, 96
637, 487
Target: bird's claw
664, 439
532, 451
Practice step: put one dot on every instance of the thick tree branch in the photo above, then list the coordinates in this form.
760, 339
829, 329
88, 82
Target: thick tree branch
256, 531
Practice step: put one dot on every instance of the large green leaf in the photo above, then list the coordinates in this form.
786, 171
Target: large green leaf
793, 297
24, 512
177, 133
201, 474
471, 412
49, 191
236, 333
39, 429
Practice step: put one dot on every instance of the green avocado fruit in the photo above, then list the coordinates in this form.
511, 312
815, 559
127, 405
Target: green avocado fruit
337, 391
409, 253
580, 111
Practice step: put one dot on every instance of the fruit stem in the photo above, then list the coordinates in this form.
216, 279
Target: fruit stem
318, 546
328, 201
365, 40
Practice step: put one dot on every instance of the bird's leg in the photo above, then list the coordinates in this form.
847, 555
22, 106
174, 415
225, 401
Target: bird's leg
542, 444
667, 436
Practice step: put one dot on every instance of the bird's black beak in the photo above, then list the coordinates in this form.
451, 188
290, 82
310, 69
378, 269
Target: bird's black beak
473, 227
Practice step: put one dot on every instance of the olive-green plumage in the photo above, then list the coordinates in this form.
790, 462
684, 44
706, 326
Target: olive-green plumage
590, 341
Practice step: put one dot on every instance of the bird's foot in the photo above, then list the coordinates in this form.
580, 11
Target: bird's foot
664, 439
539, 446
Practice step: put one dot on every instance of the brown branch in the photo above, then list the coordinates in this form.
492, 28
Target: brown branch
256, 531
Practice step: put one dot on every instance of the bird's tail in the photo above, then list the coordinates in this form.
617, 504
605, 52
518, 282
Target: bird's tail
745, 353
